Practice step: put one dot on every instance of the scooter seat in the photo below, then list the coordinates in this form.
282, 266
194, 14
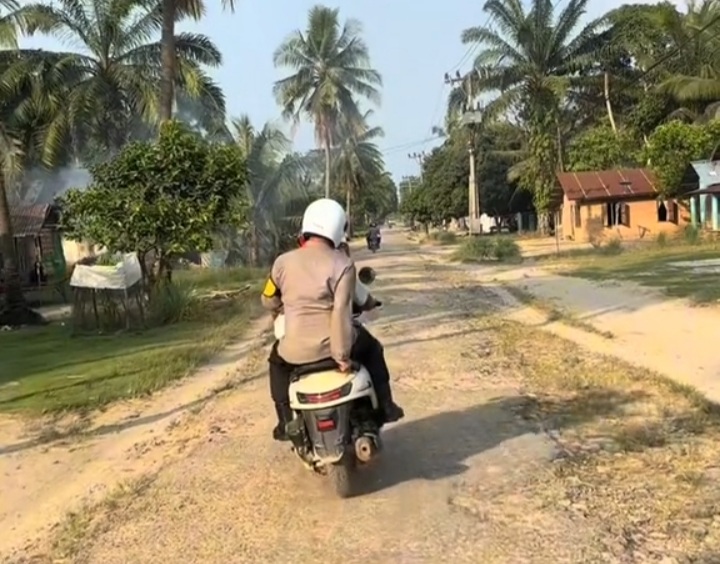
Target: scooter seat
322, 382
325, 365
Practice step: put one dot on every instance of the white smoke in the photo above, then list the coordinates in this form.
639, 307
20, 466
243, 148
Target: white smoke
42, 186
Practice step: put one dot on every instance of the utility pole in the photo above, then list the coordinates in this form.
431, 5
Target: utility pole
470, 116
419, 158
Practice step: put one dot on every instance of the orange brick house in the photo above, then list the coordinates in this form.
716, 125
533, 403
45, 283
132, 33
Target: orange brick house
616, 204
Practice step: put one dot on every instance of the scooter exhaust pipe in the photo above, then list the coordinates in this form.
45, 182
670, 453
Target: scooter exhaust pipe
364, 449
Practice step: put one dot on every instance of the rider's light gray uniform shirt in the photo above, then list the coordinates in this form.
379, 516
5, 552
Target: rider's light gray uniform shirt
316, 286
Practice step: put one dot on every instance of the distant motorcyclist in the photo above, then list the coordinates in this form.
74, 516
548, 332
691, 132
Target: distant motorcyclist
314, 287
373, 235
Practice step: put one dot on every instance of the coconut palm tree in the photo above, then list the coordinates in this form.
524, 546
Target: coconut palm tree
13, 308
101, 92
173, 11
331, 67
273, 185
694, 71
358, 160
530, 56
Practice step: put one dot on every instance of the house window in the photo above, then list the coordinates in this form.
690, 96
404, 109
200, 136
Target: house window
578, 216
667, 211
617, 213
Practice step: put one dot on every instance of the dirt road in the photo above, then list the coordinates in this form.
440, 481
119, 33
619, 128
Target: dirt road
460, 480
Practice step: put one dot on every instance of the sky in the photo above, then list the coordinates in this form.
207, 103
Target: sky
412, 44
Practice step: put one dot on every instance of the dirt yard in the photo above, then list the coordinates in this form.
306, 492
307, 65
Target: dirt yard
518, 446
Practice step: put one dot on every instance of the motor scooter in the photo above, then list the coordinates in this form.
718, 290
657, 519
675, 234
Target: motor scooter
337, 419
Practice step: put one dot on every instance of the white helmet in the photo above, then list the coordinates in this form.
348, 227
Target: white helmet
325, 218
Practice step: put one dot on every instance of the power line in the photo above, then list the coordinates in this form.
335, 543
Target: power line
438, 105
470, 51
408, 145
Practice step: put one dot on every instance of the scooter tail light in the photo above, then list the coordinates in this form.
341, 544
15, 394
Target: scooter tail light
326, 397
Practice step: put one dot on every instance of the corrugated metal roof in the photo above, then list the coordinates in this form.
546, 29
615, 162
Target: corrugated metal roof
708, 173
712, 189
28, 220
604, 184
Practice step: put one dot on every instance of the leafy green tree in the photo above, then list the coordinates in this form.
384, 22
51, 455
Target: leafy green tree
531, 56
102, 94
499, 148
673, 145
414, 204
380, 198
445, 179
160, 199
446, 171
331, 67
600, 148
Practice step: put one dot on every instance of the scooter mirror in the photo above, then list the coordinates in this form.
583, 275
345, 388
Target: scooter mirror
366, 275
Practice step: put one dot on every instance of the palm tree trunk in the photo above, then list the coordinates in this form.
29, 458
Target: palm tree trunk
348, 203
560, 149
608, 104
167, 81
327, 163
15, 310
254, 244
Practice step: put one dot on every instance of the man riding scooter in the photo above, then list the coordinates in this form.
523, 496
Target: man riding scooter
314, 287
373, 237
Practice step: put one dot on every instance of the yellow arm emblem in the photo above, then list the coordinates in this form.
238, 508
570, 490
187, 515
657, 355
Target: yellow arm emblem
270, 290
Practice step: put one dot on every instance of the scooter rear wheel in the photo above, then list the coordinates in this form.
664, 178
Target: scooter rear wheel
343, 475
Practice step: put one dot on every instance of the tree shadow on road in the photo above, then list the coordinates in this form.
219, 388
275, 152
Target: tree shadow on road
439, 446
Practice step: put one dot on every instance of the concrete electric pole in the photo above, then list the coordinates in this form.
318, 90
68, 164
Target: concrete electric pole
470, 116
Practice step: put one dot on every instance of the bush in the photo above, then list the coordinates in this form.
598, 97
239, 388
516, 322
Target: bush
480, 249
661, 239
612, 247
506, 249
443, 237
171, 303
692, 235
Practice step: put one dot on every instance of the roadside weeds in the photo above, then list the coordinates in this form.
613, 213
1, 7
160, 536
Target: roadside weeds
637, 454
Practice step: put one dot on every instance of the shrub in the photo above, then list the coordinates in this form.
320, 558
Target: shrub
506, 249
443, 237
612, 247
661, 239
171, 303
480, 249
692, 235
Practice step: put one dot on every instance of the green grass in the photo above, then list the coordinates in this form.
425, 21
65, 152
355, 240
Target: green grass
206, 280
651, 267
47, 369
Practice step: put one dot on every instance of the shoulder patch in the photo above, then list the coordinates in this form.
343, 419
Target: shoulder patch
270, 290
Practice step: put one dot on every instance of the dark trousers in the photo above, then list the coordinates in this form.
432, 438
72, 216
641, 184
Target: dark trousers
366, 350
